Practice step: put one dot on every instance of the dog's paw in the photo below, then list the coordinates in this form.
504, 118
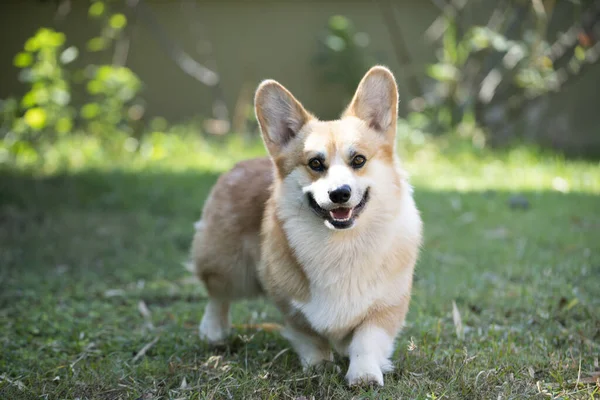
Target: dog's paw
212, 331
364, 374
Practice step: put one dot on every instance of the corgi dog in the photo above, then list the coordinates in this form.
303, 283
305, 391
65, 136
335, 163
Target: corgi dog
326, 227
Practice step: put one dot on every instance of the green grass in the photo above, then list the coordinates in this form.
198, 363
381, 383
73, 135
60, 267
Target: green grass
85, 239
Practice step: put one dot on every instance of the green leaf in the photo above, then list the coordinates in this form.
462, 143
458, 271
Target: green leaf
339, 23
32, 44
96, 44
35, 118
41, 94
94, 87
479, 38
450, 42
63, 125
49, 38
28, 100
90, 110
23, 60
96, 9
118, 21
104, 72
443, 72
580, 53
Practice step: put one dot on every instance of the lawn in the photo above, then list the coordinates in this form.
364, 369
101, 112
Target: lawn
95, 302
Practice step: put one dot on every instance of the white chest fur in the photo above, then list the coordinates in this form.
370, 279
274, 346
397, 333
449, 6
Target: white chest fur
348, 271
332, 308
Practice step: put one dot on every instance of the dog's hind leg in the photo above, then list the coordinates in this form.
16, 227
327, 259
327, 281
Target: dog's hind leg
216, 322
226, 268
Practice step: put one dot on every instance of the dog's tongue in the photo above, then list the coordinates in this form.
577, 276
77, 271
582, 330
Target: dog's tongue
341, 213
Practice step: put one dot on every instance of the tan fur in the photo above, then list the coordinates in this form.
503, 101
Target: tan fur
348, 288
226, 247
282, 276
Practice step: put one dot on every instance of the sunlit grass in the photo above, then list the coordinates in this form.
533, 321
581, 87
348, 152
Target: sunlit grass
433, 163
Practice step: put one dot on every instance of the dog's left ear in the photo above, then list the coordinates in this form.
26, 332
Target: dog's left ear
376, 101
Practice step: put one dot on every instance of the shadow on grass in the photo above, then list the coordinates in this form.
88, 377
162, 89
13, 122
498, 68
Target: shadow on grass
79, 252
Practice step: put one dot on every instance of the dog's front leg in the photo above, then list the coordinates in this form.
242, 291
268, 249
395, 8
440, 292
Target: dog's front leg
216, 322
372, 345
369, 351
312, 349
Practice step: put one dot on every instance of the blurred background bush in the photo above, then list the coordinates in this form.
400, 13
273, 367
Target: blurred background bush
116, 72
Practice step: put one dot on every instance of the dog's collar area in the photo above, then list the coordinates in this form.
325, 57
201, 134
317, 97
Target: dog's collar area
338, 223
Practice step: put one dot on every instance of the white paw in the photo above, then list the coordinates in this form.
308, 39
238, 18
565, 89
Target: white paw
212, 330
311, 350
364, 372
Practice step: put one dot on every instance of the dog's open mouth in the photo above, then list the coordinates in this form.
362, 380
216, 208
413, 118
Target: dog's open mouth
341, 217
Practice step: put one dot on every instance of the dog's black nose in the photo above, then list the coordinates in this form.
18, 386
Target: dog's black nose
341, 194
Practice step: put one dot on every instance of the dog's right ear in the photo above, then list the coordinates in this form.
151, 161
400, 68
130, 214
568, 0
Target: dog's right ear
279, 115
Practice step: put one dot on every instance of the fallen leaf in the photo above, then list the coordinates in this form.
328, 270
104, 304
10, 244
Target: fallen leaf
460, 333
265, 326
145, 349
411, 345
144, 310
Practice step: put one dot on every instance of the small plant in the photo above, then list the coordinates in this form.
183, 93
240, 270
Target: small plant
112, 91
487, 75
44, 112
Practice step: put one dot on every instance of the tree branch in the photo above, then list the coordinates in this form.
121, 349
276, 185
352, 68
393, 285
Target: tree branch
187, 64
400, 48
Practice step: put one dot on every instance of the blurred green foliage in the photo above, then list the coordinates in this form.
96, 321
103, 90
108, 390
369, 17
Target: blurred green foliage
342, 58
112, 90
487, 71
45, 112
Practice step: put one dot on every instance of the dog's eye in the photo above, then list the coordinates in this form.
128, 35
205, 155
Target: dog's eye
316, 165
358, 161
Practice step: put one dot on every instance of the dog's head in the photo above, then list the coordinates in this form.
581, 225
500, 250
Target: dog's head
340, 169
